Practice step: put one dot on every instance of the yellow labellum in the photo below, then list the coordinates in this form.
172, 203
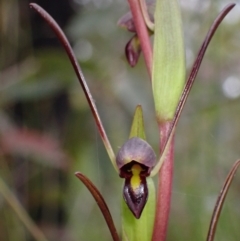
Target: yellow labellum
135, 179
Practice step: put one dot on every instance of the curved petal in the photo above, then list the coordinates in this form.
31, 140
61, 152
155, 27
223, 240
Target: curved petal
63, 39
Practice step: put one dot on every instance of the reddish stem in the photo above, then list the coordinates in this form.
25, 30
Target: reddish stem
164, 187
142, 33
166, 131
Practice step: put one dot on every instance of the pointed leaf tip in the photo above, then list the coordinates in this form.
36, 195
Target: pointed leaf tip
137, 128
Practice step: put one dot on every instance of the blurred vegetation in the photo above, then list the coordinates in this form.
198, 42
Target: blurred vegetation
47, 131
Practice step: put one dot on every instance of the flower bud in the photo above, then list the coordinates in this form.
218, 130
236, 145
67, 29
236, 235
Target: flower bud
133, 50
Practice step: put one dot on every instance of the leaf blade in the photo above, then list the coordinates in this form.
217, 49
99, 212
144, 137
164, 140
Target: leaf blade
168, 59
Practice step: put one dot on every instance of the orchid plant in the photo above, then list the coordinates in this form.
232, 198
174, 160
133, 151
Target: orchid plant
145, 211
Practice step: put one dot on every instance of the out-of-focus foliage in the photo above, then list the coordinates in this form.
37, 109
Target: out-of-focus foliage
47, 131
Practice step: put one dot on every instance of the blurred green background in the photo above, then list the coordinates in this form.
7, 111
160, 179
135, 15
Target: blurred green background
47, 131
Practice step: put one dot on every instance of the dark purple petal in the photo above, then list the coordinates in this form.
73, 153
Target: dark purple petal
136, 150
135, 192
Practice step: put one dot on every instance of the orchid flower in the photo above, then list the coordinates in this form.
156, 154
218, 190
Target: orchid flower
143, 216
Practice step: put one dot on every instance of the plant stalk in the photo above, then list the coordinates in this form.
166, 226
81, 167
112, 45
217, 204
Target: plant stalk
164, 186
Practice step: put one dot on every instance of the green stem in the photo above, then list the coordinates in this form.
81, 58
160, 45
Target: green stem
164, 187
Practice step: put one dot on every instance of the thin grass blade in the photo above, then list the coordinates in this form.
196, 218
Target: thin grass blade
21, 212
220, 201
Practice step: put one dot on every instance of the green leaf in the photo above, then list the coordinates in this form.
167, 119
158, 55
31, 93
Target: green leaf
137, 129
140, 229
168, 59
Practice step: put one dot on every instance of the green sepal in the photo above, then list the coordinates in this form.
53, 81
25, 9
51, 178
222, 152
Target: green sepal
168, 59
140, 229
137, 128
